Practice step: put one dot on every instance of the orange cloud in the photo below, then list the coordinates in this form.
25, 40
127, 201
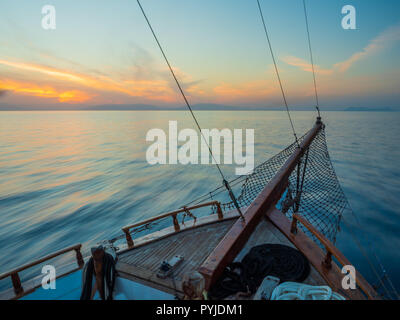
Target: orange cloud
42, 69
72, 96
159, 90
103, 83
304, 65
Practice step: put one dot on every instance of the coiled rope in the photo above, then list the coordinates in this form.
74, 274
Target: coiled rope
299, 291
276, 260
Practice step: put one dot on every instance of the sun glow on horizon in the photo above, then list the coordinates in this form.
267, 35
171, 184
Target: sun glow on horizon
30, 89
224, 61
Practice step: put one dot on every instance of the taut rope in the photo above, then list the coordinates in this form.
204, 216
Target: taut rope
225, 182
277, 73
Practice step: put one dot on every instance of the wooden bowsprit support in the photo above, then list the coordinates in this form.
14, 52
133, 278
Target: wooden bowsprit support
174, 216
331, 250
14, 274
238, 235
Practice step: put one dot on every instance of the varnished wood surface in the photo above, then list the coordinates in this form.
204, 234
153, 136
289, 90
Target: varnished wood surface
193, 244
22, 289
142, 264
332, 250
188, 225
314, 254
76, 248
174, 216
31, 285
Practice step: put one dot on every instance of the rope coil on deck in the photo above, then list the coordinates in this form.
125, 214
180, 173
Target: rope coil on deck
299, 291
277, 260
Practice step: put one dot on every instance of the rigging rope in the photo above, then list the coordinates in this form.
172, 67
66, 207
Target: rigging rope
277, 73
387, 277
311, 58
225, 182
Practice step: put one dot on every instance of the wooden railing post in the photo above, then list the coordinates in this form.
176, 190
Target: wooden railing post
16, 281
332, 251
327, 263
219, 211
174, 215
176, 222
79, 257
293, 228
14, 274
128, 237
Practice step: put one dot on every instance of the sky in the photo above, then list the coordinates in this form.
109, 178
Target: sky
103, 53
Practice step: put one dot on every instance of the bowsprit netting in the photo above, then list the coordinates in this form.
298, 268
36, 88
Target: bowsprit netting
314, 191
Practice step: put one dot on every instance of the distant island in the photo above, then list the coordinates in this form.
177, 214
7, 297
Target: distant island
197, 107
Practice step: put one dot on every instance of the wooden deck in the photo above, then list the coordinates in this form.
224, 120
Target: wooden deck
141, 264
195, 245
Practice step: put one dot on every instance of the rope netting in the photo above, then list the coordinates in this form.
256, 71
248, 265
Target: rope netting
314, 191
320, 199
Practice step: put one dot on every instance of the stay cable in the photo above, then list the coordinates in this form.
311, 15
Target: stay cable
225, 182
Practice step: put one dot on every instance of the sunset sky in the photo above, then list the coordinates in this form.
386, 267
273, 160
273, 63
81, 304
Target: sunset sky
102, 52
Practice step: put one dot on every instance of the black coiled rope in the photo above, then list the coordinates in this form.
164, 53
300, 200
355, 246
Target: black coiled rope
109, 274
276, 260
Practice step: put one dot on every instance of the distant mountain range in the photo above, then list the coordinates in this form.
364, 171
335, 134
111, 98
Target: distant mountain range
197, 107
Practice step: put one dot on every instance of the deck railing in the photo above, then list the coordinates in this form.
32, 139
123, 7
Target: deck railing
14, 274
173, 215
331, 250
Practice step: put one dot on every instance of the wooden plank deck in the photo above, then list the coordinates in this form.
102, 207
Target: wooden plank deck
195, 245
142, 264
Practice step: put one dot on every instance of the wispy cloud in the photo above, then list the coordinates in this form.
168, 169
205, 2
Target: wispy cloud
43, 69
154, 89
304, 65
142, 78
383, 41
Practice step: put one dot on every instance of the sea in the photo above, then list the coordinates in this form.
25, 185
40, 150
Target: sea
70, 177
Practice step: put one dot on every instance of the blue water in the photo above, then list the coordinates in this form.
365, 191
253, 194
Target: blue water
70, 177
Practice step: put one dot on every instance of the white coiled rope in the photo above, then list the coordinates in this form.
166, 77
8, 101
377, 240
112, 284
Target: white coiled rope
299, 291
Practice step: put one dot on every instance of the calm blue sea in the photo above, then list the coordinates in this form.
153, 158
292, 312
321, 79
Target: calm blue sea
70, 177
